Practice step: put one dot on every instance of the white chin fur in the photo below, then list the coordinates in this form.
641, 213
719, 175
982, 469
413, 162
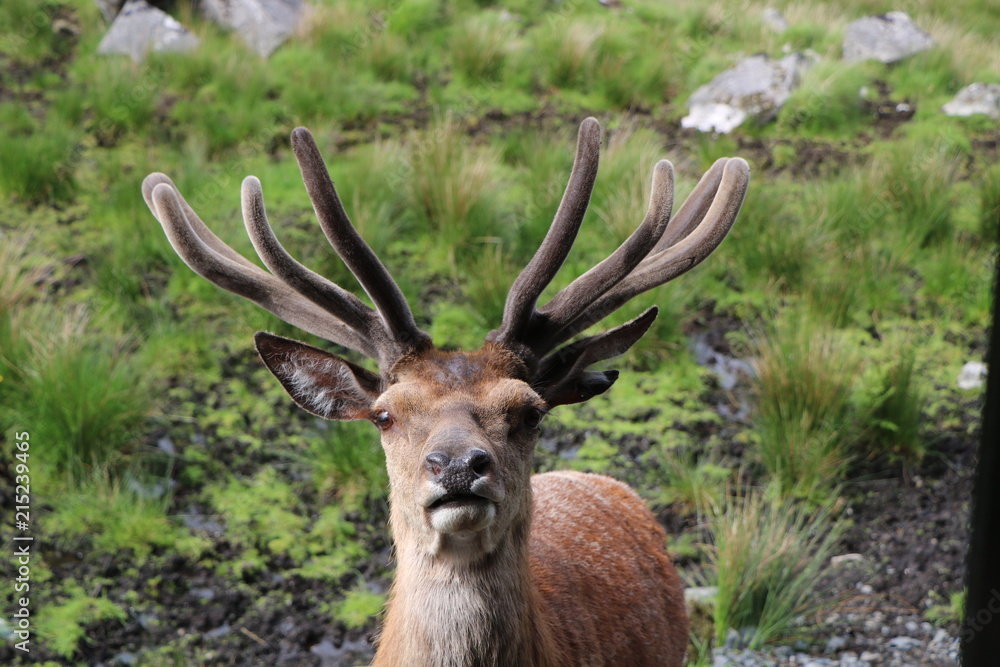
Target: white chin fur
463, 517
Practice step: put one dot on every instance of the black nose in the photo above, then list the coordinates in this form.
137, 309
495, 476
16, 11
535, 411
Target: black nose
457, 475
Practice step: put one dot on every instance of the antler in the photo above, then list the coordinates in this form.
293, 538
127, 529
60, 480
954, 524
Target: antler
658, 251
291, 291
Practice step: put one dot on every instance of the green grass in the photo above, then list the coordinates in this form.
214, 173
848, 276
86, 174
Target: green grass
804, 381
767, 560
348, 464
81, 394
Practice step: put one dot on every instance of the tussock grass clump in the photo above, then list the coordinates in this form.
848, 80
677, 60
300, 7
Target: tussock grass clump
453, 185
804, 379
767, 559
564, 51
83, 397
894, 402
479, 46
917, 184
38, 162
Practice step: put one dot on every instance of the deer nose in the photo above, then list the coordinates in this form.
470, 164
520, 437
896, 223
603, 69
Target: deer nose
456, 475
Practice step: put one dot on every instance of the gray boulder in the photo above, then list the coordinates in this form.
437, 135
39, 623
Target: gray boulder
977, 98
756, 85
140, 28
263, 24
889, 38
109, 8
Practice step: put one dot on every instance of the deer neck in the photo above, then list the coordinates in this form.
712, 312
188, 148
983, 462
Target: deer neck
447, 614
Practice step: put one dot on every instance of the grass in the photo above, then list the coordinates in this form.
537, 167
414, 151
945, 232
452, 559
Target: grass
767, 560
348, 464
804, 382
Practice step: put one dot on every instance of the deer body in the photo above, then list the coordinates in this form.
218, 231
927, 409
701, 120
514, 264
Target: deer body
583, 525
496, 567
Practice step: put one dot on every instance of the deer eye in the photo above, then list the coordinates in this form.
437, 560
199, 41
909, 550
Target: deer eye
383, 420
532, 418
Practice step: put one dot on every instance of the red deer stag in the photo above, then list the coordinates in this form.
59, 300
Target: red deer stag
496, 567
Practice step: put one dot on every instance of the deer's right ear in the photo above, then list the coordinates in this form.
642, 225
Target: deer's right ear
319, 382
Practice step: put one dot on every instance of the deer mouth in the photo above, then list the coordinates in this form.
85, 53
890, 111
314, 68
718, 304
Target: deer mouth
457, 500
461, 512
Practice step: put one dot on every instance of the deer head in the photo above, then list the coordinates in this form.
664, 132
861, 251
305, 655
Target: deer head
458, 428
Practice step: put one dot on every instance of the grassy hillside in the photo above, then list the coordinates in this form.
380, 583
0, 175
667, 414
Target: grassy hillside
175, 491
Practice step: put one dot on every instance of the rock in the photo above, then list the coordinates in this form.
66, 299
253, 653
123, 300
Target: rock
869, 656
263, 24
774, 20
755, 86
166, 445
140, 28
904, 643
845, 558
835, 644
889, 38
109, 8
976, 98
220, 631
703, 594
972, 375
726, 369
203, 593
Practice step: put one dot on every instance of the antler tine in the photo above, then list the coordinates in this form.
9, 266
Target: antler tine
331, 297
665, 265
694, 208
572, 301
212, 259
193, 221
520, 307
357, 255
558, 371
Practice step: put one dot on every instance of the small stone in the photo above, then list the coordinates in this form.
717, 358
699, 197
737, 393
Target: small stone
972, 375
866, 589
701, 594
220, 631
835, 644
845, 558
912, 627
203, 593
849, 659
166, 445
868, 656
904, 643
940, 637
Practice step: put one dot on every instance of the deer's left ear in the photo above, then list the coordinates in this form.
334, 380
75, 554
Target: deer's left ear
319, 382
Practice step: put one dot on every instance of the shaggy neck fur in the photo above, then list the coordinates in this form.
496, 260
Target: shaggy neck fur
487, 613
